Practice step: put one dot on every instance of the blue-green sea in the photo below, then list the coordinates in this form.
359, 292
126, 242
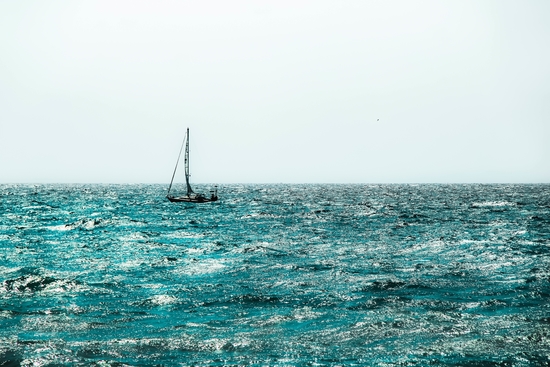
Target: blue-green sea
275, 275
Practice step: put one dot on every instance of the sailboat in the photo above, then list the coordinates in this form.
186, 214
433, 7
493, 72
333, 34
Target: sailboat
190, 196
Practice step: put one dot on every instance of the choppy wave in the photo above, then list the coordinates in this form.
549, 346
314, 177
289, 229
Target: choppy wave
283, 275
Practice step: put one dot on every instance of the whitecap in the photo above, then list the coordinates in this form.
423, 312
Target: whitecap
135, 263
492, 204
274, 320
305, 313
136, 236
208, 266
163, 299
183, 234
61, 227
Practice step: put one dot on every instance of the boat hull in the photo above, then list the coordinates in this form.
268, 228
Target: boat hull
191, 199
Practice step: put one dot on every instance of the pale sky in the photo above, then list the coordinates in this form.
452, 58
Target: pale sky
275, 91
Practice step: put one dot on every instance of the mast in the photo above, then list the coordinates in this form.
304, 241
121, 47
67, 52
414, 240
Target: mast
189, 189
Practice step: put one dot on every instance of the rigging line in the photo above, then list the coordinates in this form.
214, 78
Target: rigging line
175, 169
187, 175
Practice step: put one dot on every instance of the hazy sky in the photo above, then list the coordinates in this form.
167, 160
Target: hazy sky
275, 91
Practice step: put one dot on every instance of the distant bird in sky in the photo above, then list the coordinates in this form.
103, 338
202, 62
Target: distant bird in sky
377, 119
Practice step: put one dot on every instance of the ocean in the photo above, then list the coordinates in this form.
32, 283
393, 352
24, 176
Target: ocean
275, 275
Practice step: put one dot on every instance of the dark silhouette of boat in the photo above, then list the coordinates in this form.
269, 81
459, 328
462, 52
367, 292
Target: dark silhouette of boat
190, 196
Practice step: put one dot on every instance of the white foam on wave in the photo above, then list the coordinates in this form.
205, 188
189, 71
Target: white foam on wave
195, 251
11, 216
472, 242
4, 270
83, 223
33, 207
163, 299
493, 266
219, 345
61, 227
260, 215
492, 204
207, 266
135, 263
90, 224
274, 320
152, 286
434, 246
136, 236
305, 313
43, 284
184, 234
366, 213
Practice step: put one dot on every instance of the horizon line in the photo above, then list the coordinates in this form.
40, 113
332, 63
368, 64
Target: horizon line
279, 183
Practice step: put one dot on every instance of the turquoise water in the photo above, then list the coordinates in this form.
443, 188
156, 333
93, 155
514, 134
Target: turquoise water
276, 275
